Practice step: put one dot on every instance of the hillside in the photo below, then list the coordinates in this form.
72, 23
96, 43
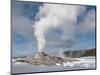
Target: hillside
82, 53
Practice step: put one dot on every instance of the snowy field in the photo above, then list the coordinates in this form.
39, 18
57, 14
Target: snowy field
84, 63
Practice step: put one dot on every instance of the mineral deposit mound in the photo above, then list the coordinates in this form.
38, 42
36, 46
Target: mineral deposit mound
41, 58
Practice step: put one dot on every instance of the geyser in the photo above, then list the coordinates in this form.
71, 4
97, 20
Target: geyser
55, 26
54, 16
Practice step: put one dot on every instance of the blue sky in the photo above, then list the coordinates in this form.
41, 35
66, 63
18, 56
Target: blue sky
23, 39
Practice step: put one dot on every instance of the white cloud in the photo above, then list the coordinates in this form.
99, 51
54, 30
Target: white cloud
22, 25
56, 17
88, 24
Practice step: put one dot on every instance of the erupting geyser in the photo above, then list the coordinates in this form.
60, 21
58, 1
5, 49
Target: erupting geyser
40, 40
54, 17
59, 17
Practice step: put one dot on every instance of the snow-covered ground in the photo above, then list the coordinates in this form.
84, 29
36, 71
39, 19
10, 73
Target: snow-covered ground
84, 63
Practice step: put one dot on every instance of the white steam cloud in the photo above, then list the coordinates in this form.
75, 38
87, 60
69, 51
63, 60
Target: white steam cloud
61, 18
88, 24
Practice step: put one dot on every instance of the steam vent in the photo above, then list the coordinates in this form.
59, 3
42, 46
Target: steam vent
41, 58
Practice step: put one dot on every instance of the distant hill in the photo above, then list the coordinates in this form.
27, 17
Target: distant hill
82, 53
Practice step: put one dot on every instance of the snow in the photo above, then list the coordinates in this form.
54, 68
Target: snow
68, 64
88, 62
84, 63
58, 64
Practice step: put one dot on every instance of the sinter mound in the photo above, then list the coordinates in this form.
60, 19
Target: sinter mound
41, 58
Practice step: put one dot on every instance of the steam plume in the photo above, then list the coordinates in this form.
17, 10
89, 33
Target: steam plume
57, 17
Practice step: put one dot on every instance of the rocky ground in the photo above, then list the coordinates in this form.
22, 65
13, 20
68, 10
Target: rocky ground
42, 58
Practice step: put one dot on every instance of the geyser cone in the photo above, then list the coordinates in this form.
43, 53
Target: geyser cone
42, 58
40, 55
